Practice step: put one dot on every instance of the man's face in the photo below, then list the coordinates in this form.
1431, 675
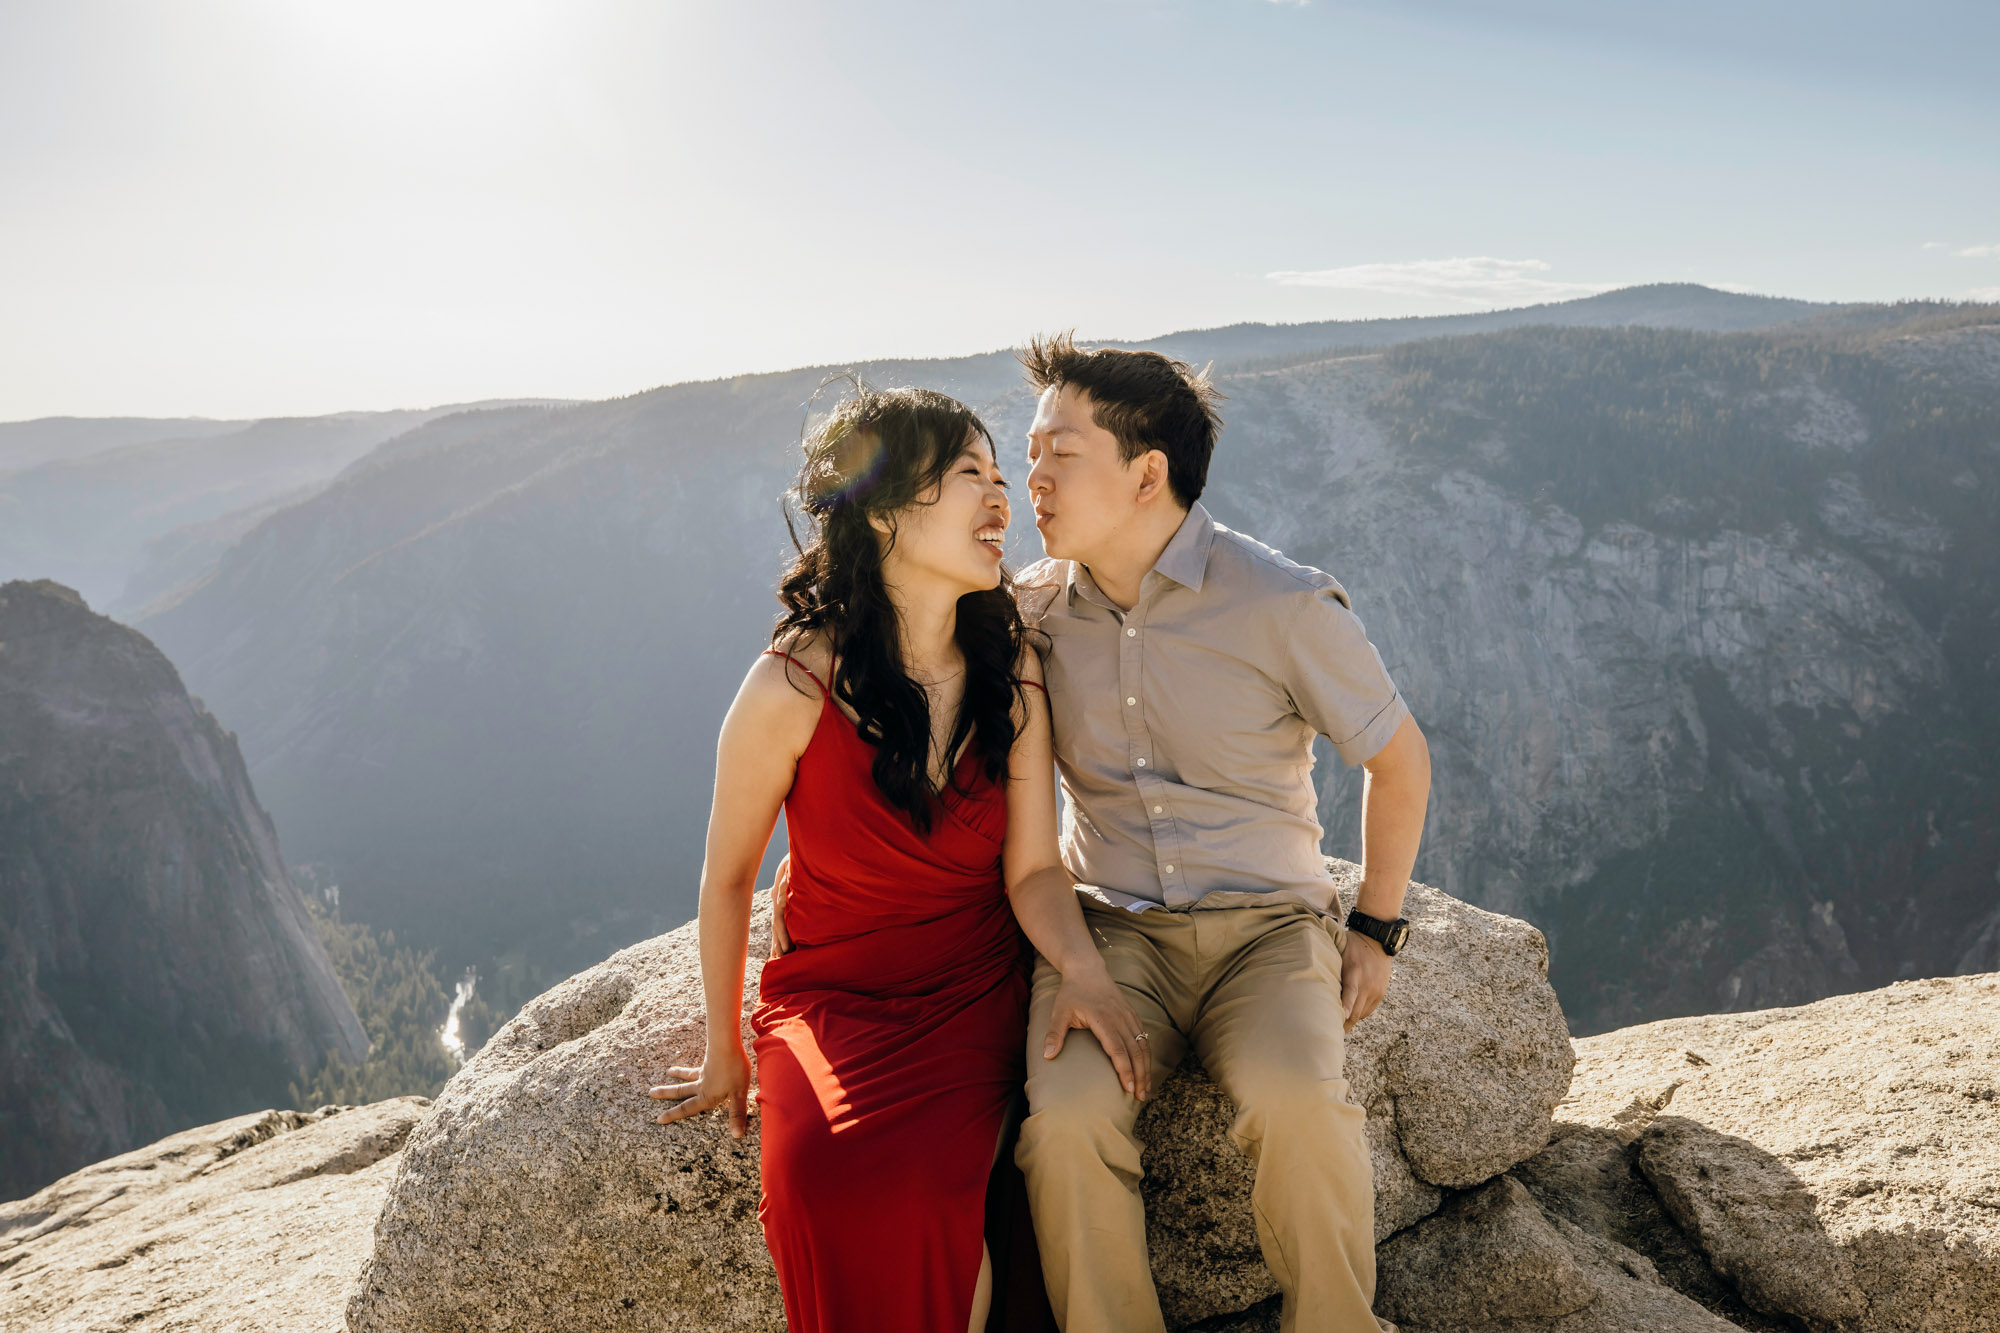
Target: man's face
1084, 495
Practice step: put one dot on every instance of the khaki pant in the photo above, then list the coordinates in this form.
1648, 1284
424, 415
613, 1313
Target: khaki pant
1256, 992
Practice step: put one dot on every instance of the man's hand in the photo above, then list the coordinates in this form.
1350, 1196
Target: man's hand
1092, 1000
723, 1079
781, 887
1364, 977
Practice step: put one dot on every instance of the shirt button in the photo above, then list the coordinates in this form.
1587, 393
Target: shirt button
1129, 701
1170, 870
1141, 763
1131, 633
1159, 809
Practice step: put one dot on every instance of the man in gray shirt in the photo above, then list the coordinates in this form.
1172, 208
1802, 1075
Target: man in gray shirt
1189, 668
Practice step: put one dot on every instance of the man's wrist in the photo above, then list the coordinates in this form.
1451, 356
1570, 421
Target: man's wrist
1381, 903
1390, 934
1369, 940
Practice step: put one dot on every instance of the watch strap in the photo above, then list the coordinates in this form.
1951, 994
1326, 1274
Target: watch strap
1391, 935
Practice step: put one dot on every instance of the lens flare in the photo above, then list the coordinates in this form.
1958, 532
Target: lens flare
846, 465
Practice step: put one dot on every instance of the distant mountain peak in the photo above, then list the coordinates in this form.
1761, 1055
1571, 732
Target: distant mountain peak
1667, 305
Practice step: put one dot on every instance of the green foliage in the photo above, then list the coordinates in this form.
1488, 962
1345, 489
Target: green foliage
402, 1005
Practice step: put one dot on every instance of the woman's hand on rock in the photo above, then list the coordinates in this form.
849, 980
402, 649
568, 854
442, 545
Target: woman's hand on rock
1091, 999
722, 1080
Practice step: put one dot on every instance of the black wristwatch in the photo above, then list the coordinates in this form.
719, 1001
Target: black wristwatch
1391, 935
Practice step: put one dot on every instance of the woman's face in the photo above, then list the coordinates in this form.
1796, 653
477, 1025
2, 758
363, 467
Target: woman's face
953, 535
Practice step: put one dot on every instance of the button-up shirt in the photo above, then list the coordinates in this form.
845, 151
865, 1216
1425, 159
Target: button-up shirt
1184, 726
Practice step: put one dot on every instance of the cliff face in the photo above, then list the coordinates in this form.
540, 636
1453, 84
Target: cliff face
1703, 633
1704, 629
159, 968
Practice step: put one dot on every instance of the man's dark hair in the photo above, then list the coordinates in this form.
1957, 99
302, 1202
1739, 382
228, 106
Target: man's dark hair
1147, 401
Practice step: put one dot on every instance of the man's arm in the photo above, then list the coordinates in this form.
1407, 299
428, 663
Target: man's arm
1340, 688
1392, 826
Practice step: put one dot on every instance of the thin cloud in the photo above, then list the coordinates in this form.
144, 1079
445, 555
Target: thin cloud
1476, 280
1967, 252
1983, 294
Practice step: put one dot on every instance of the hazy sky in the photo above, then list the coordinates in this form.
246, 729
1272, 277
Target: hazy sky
255, 207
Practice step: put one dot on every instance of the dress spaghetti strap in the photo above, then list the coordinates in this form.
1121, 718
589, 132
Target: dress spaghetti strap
779, 652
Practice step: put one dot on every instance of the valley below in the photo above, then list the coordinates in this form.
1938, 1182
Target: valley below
1703, 622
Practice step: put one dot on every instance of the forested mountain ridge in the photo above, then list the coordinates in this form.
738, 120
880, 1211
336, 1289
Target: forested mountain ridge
1660, 305
122, 510
1694, 621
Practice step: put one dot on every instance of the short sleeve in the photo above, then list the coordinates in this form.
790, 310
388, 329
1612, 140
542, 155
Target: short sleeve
1336, 678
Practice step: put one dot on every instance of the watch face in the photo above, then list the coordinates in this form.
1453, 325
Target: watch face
1399, 935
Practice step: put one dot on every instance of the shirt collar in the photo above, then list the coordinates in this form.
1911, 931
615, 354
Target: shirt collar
1185, 559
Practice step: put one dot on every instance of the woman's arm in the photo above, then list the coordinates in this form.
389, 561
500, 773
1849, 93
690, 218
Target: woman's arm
764, 734
1044, 899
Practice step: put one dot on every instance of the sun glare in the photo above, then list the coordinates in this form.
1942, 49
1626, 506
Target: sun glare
426, 53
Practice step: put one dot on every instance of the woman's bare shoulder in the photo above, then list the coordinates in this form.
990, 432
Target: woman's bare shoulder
777, 706
801, 659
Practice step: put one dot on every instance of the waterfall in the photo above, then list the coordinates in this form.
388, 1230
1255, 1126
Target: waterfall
453, 1039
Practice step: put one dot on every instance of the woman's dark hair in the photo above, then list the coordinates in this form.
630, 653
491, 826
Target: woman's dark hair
879, 452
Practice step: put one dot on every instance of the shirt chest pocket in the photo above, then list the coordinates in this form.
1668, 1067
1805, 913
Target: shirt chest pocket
1222, 725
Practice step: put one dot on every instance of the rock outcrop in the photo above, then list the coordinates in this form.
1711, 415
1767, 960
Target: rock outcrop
540, 1192
1832, 1168
1491, 1261
157, 968
1828, 1168
254, 1223
1837, 1164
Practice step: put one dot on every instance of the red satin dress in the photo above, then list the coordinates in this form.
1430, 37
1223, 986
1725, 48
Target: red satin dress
889, 1045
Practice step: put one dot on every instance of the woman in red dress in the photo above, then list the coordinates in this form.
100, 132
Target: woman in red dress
898, 720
